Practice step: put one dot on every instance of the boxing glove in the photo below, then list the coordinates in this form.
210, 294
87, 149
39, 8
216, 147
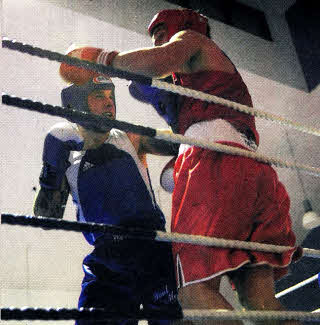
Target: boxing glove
51, 203
61, 139
166, 176
78, 75
164, 102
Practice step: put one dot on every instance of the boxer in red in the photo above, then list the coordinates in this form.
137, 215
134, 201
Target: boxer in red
215, 194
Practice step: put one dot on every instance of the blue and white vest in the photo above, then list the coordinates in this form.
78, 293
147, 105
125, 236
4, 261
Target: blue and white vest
111, 185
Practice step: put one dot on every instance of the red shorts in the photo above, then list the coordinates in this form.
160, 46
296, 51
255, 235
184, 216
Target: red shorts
230, 197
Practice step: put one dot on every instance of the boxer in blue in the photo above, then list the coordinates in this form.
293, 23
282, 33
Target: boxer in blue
106, 173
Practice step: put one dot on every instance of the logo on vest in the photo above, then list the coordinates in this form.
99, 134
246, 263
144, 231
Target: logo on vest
87, 165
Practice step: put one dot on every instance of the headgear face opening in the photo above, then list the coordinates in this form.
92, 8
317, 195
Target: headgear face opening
176, 20
76, 97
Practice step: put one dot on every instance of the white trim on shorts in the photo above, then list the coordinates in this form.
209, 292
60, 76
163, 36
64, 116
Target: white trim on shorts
182, 283
216, 131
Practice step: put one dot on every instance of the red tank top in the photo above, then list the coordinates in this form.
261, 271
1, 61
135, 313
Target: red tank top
221, 84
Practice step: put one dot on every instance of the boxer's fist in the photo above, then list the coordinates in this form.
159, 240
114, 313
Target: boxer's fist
77, 75
165, 103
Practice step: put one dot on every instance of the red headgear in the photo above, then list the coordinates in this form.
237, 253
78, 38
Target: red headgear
179, 19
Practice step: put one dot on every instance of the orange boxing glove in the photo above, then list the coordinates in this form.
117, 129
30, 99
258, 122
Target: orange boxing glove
80, 76
77, 75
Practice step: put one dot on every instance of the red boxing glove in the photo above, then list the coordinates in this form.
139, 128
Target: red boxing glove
80, 76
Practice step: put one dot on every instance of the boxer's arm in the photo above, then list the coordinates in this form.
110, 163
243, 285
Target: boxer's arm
185, 47
54, 189
51, 203
154, 146
157, 62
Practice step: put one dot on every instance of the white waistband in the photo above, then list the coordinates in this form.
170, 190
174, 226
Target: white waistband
214, 131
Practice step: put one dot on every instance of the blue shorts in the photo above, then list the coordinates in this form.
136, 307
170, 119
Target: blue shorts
122, 276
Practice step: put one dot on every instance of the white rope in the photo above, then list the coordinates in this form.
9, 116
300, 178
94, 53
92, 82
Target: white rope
213, 314
236, 106
228, 243
55, 56
14, 45
297, 286
158, 235
218, 147
310, 252
178, 138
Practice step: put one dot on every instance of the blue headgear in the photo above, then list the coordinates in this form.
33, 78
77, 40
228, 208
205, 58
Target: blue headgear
76, 97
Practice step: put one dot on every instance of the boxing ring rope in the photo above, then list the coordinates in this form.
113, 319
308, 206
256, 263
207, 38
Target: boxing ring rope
188, 314
119, 233
297, 286
55, 56
103, 122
